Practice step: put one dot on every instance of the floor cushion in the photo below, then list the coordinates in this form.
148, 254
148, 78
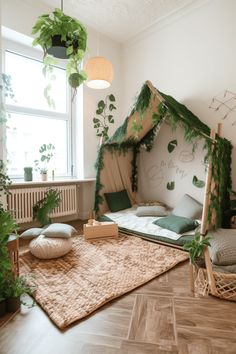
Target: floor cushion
223, 246
31, 233
59, 230
47, 248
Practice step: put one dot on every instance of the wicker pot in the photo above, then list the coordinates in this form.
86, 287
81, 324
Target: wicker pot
3, 309
13, 304
200, 262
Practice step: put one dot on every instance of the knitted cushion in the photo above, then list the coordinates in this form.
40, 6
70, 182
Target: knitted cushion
223, 246
47, 248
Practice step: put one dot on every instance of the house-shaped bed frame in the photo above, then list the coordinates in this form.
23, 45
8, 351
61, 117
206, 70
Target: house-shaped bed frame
117, 169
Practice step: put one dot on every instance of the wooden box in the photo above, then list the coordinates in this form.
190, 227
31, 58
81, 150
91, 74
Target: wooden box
102, 230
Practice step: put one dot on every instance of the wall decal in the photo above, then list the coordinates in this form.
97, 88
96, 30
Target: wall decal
186, 156
225, 104
170, 186
155, 175
197, 182
172, 145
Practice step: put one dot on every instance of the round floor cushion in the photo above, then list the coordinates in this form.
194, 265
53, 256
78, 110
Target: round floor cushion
47, 248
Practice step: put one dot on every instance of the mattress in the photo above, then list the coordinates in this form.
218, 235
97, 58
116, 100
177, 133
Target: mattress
143, 226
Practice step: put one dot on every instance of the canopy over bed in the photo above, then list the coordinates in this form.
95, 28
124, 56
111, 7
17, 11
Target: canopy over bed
117, 163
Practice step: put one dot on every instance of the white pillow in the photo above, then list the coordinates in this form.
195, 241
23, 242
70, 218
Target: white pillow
59, 230
47, 248
31, 233
188, 208
151, 210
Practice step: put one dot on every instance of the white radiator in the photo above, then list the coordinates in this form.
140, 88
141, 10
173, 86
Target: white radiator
22, 200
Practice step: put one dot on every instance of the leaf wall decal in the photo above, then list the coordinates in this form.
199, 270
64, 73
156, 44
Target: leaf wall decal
197, 182
172, 145
170, 186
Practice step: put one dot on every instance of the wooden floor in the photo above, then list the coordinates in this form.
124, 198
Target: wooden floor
159, 317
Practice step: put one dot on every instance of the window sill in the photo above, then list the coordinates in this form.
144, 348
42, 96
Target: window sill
58, 181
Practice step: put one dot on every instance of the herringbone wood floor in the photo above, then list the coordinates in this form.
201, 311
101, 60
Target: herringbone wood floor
159, 317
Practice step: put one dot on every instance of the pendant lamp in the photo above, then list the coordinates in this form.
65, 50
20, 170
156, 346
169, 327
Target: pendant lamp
100, 72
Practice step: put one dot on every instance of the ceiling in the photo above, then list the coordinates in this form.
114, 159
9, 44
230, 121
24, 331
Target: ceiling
120, 19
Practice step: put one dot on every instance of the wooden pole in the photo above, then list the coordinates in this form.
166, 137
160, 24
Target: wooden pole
204, 223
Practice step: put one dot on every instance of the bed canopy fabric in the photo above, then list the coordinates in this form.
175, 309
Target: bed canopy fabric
117, 159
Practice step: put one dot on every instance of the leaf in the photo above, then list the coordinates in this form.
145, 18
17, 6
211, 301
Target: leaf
101, 104
112, 98
99, 111
172, 145
197, 182
170, 186
155, 118
110, 118
111, 107
95, 120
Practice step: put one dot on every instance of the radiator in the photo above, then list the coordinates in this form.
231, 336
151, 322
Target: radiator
22, 200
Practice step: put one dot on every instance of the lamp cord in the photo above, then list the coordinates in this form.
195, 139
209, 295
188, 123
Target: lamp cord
62, 5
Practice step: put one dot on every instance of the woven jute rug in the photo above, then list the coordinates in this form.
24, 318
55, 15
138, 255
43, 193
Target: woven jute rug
94, 273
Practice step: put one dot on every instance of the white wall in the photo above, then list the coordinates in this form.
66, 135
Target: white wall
191, 58
161, 166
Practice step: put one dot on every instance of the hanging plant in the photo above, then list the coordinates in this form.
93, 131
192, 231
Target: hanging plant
104, 116
61, 36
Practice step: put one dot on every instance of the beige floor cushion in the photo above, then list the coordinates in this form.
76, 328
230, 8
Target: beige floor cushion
47, 248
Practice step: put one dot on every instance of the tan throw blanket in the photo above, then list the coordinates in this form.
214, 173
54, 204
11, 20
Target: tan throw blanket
94, 273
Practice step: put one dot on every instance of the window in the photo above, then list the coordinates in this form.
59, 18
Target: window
32, 122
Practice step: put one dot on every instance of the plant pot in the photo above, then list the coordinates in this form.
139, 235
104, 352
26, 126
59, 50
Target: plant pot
59, 47
13, 304
44, 176
28, 176
3, 308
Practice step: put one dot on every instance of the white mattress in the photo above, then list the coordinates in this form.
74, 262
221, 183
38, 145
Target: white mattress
128, 220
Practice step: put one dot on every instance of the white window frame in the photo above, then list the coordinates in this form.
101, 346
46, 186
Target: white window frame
69, 116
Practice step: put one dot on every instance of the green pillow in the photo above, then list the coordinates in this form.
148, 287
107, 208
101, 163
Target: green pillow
175, 223
118, 200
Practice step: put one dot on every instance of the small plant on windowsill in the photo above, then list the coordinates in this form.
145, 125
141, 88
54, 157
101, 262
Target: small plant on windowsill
46, 152
104, 117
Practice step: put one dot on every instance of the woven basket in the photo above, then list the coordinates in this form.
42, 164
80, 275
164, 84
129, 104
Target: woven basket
225, 285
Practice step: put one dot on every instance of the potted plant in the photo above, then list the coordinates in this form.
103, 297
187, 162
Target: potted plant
14, 289
62, 36
46, 152
45, 206
7, 226
104, 117
196, 249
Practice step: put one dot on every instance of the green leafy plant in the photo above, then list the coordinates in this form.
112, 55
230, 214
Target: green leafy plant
6, 92
196, 247
104, 116
4, 179
45, 206
73, 36
15, 287
46, 151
